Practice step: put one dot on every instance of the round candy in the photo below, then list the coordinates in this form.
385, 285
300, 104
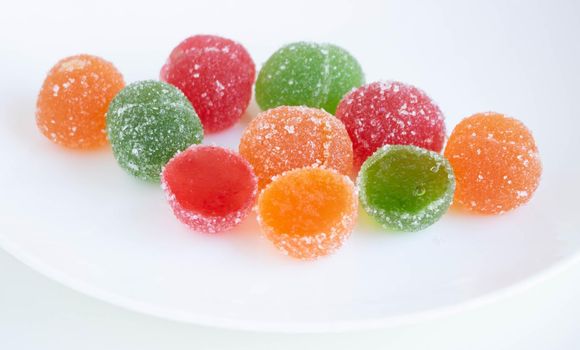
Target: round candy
390, 113
74, 99
406, 188
148, 122
210, 189
287, 138
216, 74
496, 163
308, 212
314, 75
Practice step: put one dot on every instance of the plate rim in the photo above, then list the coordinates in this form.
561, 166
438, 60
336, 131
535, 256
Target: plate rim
126, 303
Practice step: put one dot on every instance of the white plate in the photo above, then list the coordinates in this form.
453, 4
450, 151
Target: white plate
79, 219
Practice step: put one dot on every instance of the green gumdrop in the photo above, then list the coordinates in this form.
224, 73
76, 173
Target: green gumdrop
148, 122
406, 188
307, 74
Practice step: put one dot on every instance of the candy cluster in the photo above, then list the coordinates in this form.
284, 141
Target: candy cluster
321, 127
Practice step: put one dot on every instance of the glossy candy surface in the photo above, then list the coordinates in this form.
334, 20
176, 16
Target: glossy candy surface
406, 188
210, 189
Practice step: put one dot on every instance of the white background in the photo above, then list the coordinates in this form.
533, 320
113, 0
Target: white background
37, 313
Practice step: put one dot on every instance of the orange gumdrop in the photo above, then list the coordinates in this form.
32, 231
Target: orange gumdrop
74, 99
308, 212
496, 163
286, 138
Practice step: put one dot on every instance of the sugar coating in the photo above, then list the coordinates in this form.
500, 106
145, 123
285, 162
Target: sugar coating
406, 188
211, 189
496, 163
286, 138
309, 74
73, 101
216, 74
390, 113
308, 213
148, 122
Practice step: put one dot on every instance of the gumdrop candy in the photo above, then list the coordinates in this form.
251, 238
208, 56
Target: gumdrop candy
308, 213
287, 138
406, 188
309, 74
496, 163
148, 122
210, 189
216, 74
390, 113
73, 101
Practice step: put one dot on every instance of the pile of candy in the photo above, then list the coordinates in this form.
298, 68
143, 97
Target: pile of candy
319, 126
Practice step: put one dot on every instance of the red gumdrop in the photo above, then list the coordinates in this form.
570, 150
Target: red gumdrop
210, 189
216, 74
391, 113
